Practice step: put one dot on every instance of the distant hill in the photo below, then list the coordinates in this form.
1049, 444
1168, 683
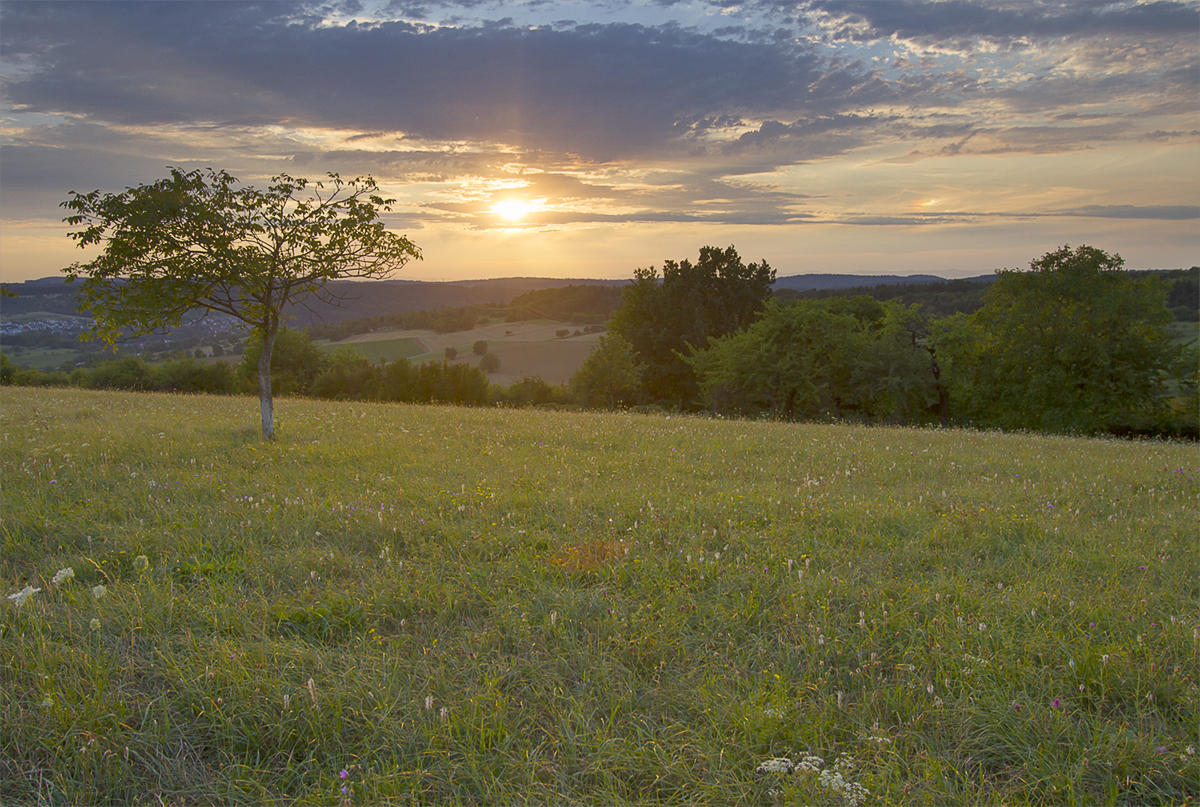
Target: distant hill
829, 281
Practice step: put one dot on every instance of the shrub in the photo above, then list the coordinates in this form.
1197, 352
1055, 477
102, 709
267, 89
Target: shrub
490, 363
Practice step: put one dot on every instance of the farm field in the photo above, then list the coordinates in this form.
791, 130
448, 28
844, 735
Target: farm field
397, 604
524, 348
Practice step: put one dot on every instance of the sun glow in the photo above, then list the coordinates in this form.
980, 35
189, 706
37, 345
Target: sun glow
513, 209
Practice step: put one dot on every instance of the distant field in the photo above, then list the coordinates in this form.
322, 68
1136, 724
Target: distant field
524, 348
41, 358
1185, 333
386, 349
403, 605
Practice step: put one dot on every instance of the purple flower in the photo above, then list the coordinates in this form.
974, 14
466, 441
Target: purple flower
345, 774
1056, 703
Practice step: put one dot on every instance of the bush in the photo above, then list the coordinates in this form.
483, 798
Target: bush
490, 363
479, 348
451, 354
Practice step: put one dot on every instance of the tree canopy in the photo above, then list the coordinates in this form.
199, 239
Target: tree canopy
849, 357
664, 320
200, 240
1073, 344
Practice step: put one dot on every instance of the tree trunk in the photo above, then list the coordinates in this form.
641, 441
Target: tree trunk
265, 400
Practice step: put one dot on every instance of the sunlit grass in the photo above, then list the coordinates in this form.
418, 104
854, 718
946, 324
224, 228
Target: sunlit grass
482, 606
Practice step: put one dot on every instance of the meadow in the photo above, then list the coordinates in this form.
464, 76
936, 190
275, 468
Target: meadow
397, 604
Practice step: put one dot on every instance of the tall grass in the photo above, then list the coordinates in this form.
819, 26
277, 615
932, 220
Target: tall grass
423, 605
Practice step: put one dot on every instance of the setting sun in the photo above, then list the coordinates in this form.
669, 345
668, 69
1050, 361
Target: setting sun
512, 209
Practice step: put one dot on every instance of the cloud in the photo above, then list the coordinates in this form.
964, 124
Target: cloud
1010, 22
605, 92
1160, 212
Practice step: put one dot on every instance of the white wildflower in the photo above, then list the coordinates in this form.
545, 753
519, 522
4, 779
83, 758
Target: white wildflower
811, 763
95, 624
99, 591
141, 564
63, 576
776, 765
22, 596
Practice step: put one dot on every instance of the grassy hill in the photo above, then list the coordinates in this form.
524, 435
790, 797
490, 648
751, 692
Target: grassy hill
427, 605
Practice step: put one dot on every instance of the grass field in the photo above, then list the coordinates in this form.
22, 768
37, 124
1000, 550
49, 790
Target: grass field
386, 349
426, 605
525, 349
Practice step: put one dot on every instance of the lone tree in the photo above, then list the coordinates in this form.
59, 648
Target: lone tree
199, 240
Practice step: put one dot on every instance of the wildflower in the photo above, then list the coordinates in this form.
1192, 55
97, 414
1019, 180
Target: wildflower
777, 765
345, 774
63, 576
23, 595
48, 701
811, 763
99, 591
141, 563
1056, 703
428, 702
95, 624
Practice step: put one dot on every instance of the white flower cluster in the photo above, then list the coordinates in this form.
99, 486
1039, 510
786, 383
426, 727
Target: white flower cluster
23, 595
777, 765
833, 778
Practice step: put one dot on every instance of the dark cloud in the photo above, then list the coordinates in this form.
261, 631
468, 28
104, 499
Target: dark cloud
602, 91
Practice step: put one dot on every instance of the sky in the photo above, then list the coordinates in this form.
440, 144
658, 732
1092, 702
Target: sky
589, 139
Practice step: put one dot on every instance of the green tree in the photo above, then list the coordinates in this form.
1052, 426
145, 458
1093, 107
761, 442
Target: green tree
489, 363
840, 357
665, 319
610, 375
1073, 344
198, 240
479, 348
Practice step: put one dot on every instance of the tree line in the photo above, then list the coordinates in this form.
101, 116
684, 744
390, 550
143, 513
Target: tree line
1073, 344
